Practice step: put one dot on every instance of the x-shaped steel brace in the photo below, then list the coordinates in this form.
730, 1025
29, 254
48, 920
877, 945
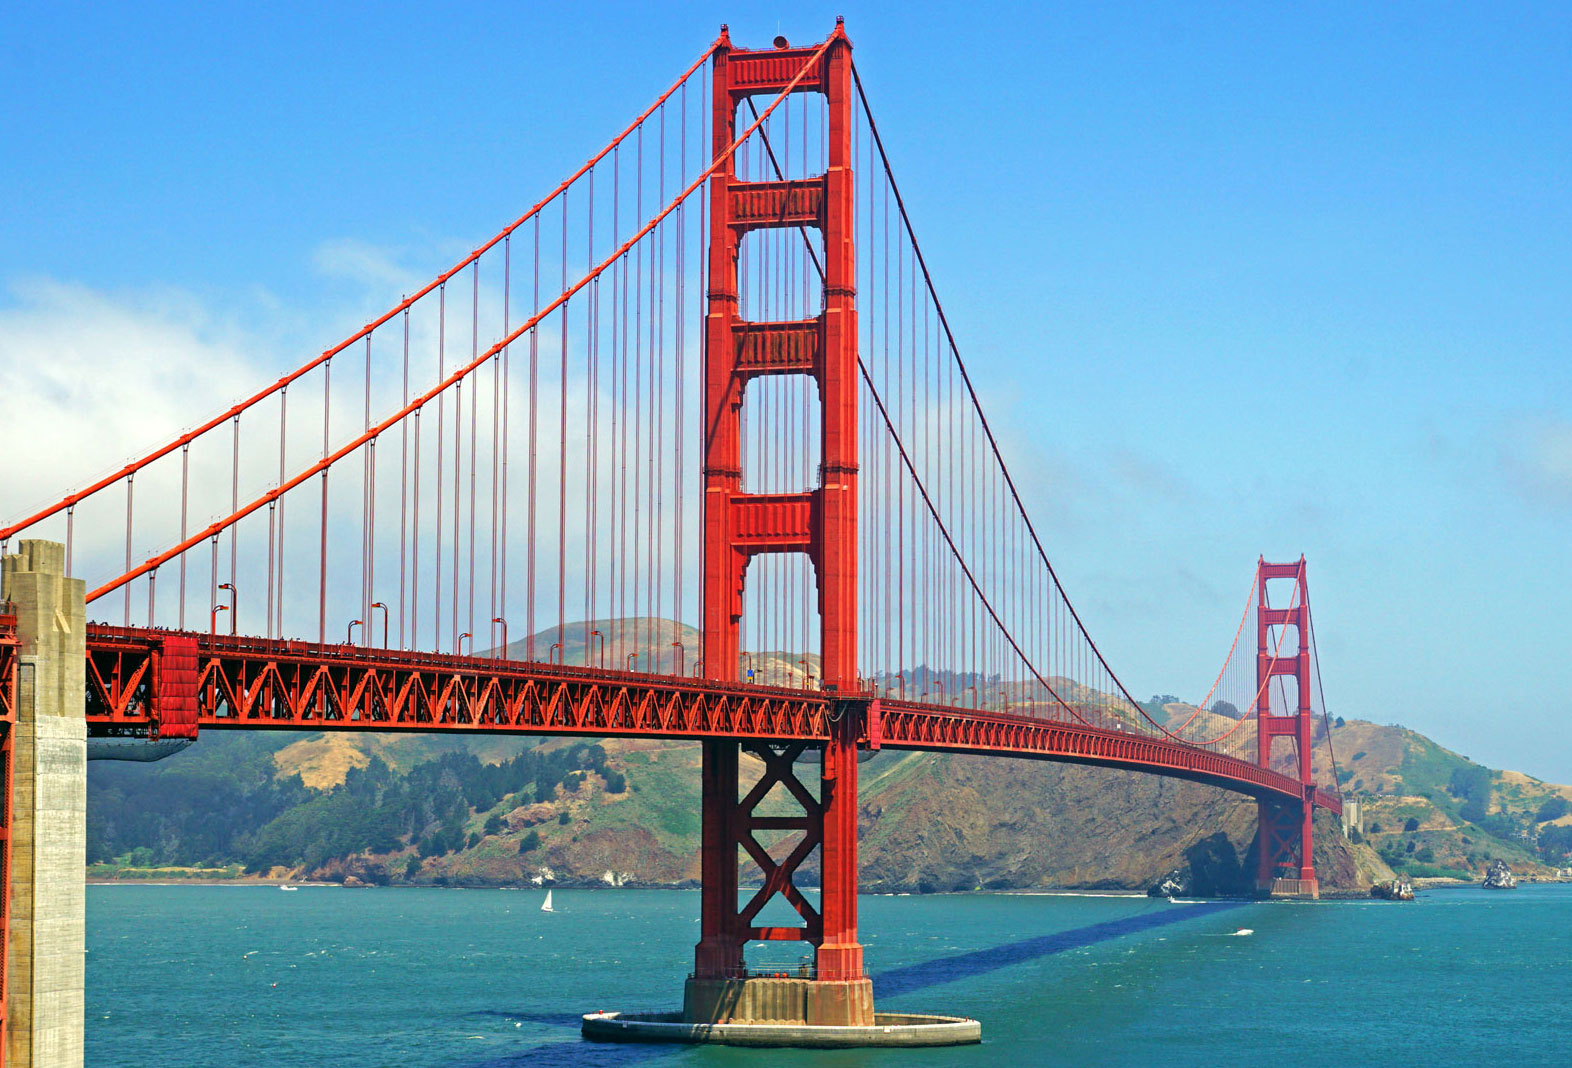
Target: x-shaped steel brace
778, 877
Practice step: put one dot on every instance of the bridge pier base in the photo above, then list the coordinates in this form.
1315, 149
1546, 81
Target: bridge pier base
825, 1003
1285, 849
779, 1000
832, 991
46, 952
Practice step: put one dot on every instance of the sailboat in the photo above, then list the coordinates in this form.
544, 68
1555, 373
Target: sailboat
545, 906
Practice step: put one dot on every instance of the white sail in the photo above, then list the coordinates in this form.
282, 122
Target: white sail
545, 906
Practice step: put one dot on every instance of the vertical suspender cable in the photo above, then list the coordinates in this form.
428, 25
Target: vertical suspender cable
436, 585
403, 492
327, 404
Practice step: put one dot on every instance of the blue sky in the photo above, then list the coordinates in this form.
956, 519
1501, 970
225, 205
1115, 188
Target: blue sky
1233, 279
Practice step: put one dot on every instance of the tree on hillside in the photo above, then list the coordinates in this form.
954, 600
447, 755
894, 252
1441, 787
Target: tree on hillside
1555, 843
1410, 825
1553, 809
1470, 782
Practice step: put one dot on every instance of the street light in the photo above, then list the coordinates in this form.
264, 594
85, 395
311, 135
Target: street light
234, 599
213, 618
679, 658
631, 658
499, 619
460, 649
374, 606
597, 634
349, 631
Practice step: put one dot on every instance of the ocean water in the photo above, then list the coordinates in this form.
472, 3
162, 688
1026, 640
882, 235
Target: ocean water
250, 976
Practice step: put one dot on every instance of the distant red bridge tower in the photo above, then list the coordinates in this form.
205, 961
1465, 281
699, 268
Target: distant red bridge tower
1285, 838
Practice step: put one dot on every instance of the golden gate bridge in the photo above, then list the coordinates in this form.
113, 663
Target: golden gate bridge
708, 376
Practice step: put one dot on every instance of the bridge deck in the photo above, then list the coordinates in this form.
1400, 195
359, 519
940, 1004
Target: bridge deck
268, 684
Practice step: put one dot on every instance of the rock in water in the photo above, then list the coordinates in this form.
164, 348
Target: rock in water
1500, 877
1399, 889
1169, 885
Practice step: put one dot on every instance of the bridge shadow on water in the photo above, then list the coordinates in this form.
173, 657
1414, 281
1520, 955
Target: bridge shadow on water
898, 981
888, 984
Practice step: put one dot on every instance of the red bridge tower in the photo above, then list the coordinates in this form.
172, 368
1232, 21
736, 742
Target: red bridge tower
1285, 835
821, 523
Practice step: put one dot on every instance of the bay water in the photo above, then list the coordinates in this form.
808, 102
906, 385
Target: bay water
242, 976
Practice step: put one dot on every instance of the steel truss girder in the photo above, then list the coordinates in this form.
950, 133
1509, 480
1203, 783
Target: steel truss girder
283, 685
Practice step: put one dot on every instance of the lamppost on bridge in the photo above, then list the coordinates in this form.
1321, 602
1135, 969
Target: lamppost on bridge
504, 625
460, 649
554, 654
631, 658
234, 601
679, 658
212, 627
597, 634
374, 606
349, 631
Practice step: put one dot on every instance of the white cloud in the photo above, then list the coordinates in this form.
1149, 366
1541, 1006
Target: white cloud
92, 380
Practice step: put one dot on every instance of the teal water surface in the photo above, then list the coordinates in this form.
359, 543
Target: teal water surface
240, 976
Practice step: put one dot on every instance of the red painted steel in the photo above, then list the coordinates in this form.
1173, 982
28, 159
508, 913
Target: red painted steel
823, 524
1285, 837
287, 685
176, 681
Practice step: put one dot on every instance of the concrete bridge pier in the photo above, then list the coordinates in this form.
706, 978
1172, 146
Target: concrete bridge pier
45, 952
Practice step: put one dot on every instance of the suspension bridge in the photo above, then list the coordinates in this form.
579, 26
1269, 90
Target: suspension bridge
706, 377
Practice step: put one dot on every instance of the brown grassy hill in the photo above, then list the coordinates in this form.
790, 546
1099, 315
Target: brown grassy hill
1434, 812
